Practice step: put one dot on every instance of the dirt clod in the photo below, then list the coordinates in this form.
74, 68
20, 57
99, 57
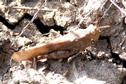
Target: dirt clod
104, 62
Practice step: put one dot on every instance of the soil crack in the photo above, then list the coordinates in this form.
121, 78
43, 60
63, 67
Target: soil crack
40, 26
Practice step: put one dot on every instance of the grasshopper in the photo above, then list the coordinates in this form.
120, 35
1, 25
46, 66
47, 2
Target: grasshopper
63, 46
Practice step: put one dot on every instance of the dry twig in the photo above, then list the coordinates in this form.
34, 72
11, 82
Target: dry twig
24, 8
121, 9
35, 15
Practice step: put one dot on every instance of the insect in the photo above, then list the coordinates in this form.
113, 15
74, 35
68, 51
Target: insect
62, 47
70, 43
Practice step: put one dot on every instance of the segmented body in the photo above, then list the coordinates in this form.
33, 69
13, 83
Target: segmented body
61, 47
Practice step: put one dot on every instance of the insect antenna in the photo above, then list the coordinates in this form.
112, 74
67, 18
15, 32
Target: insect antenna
97, 21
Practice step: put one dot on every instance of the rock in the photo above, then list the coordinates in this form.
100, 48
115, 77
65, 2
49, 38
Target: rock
83, 71
22, 41
99, 72
65, 14
48, 18
27, 76
123, 56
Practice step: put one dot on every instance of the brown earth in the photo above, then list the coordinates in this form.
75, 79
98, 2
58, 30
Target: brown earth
102, 63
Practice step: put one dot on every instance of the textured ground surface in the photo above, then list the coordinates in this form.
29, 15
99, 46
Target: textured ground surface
102, 63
